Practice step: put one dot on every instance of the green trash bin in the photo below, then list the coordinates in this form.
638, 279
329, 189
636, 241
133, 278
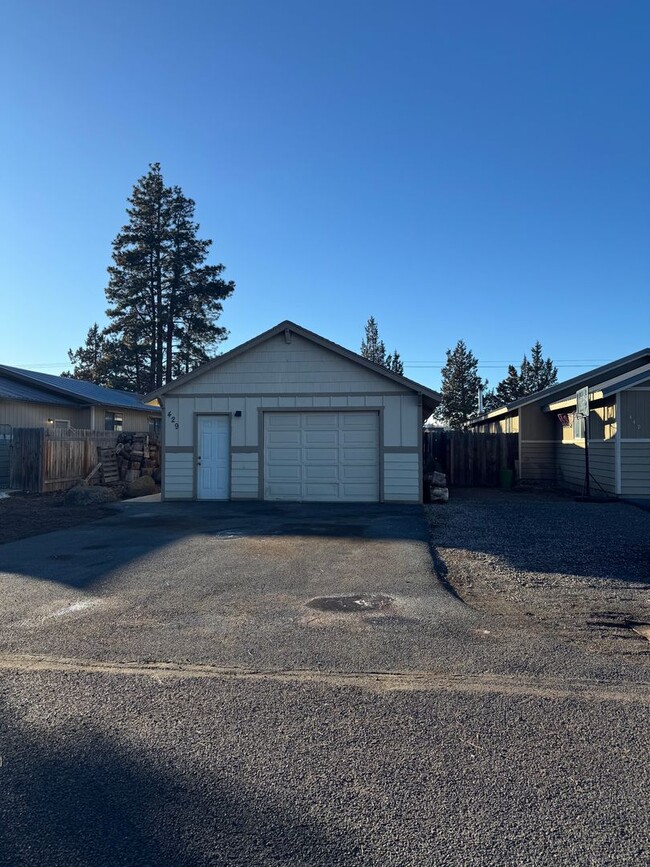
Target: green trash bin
505, 479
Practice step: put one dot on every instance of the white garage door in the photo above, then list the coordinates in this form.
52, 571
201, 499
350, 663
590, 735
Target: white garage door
321, 456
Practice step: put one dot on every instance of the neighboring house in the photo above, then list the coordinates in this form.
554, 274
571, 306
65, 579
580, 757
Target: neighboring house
290, 415
31, 399
552, 438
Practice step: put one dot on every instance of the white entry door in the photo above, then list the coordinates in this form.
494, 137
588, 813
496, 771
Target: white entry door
213, 458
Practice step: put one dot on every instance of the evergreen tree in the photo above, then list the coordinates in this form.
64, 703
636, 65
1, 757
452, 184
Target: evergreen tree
532, 376
372, 347
164, 299
539, 373
394, 363
511, 387
91, 361
460, 387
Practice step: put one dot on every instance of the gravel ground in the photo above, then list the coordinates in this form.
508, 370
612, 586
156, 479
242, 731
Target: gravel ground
548, 562
23, 515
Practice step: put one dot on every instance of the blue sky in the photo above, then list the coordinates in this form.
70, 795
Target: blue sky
458, 170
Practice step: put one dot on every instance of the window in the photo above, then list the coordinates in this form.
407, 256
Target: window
60, 422
113, 421
154, 424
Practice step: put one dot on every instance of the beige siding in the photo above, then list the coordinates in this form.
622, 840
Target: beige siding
635, 469
570, 465
245, 476
298, 367
635, 414
537, 461
26, 414
295, 376
537, 425
178, 478
601, 464
402, 480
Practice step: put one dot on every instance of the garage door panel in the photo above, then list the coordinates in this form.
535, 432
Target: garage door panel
320, 420
321, 456
282, 421
361, 493
288, 473
363, 455
276, 455
284, 438
356, 473
320, 437
326, 491
326, 472
359, 436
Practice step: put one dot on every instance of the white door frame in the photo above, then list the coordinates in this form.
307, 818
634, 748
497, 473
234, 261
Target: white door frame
197, 416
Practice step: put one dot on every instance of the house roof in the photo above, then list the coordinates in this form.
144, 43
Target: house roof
11, 389
591, 379
431, 398
72, 391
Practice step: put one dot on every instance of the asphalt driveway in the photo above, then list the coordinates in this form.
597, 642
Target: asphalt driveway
168, 695
233, 585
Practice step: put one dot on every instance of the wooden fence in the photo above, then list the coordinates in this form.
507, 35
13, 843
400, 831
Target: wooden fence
54, 459
470, 459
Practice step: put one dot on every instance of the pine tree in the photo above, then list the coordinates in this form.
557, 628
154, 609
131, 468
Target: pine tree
164, 299
511, 387
91, 361
372, 347
394, 363
460, 387
532, 376
539, 373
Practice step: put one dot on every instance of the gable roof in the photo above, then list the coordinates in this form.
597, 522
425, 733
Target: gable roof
629, 364
73, 392
432, 397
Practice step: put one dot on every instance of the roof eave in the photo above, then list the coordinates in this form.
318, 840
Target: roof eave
308, 335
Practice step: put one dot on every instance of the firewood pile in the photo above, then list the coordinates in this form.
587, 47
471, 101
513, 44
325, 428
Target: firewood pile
138, 455
133, 456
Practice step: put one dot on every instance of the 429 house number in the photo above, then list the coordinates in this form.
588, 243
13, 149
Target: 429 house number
173, 418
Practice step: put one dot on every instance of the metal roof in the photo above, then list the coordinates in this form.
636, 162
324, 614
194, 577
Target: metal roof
11, 389
77, 391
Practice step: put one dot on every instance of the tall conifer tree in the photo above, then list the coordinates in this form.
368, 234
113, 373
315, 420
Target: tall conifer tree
460, 387
164, 299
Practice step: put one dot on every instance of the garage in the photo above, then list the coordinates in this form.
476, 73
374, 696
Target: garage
321, 456
292, 416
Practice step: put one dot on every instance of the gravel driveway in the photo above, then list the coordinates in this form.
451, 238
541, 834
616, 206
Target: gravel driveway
549, 564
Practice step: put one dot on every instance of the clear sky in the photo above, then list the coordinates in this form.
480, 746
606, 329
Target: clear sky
458, 169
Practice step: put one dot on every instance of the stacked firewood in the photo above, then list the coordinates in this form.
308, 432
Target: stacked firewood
138, 455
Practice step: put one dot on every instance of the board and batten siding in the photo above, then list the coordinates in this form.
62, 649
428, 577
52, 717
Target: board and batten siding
22, 413
289, 376
277, 367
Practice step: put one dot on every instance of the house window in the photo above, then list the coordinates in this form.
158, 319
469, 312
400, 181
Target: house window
635, 415
154, 424
113, 421
60, 422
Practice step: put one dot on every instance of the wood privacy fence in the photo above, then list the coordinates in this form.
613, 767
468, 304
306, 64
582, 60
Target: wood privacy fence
470, 459
54, 459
